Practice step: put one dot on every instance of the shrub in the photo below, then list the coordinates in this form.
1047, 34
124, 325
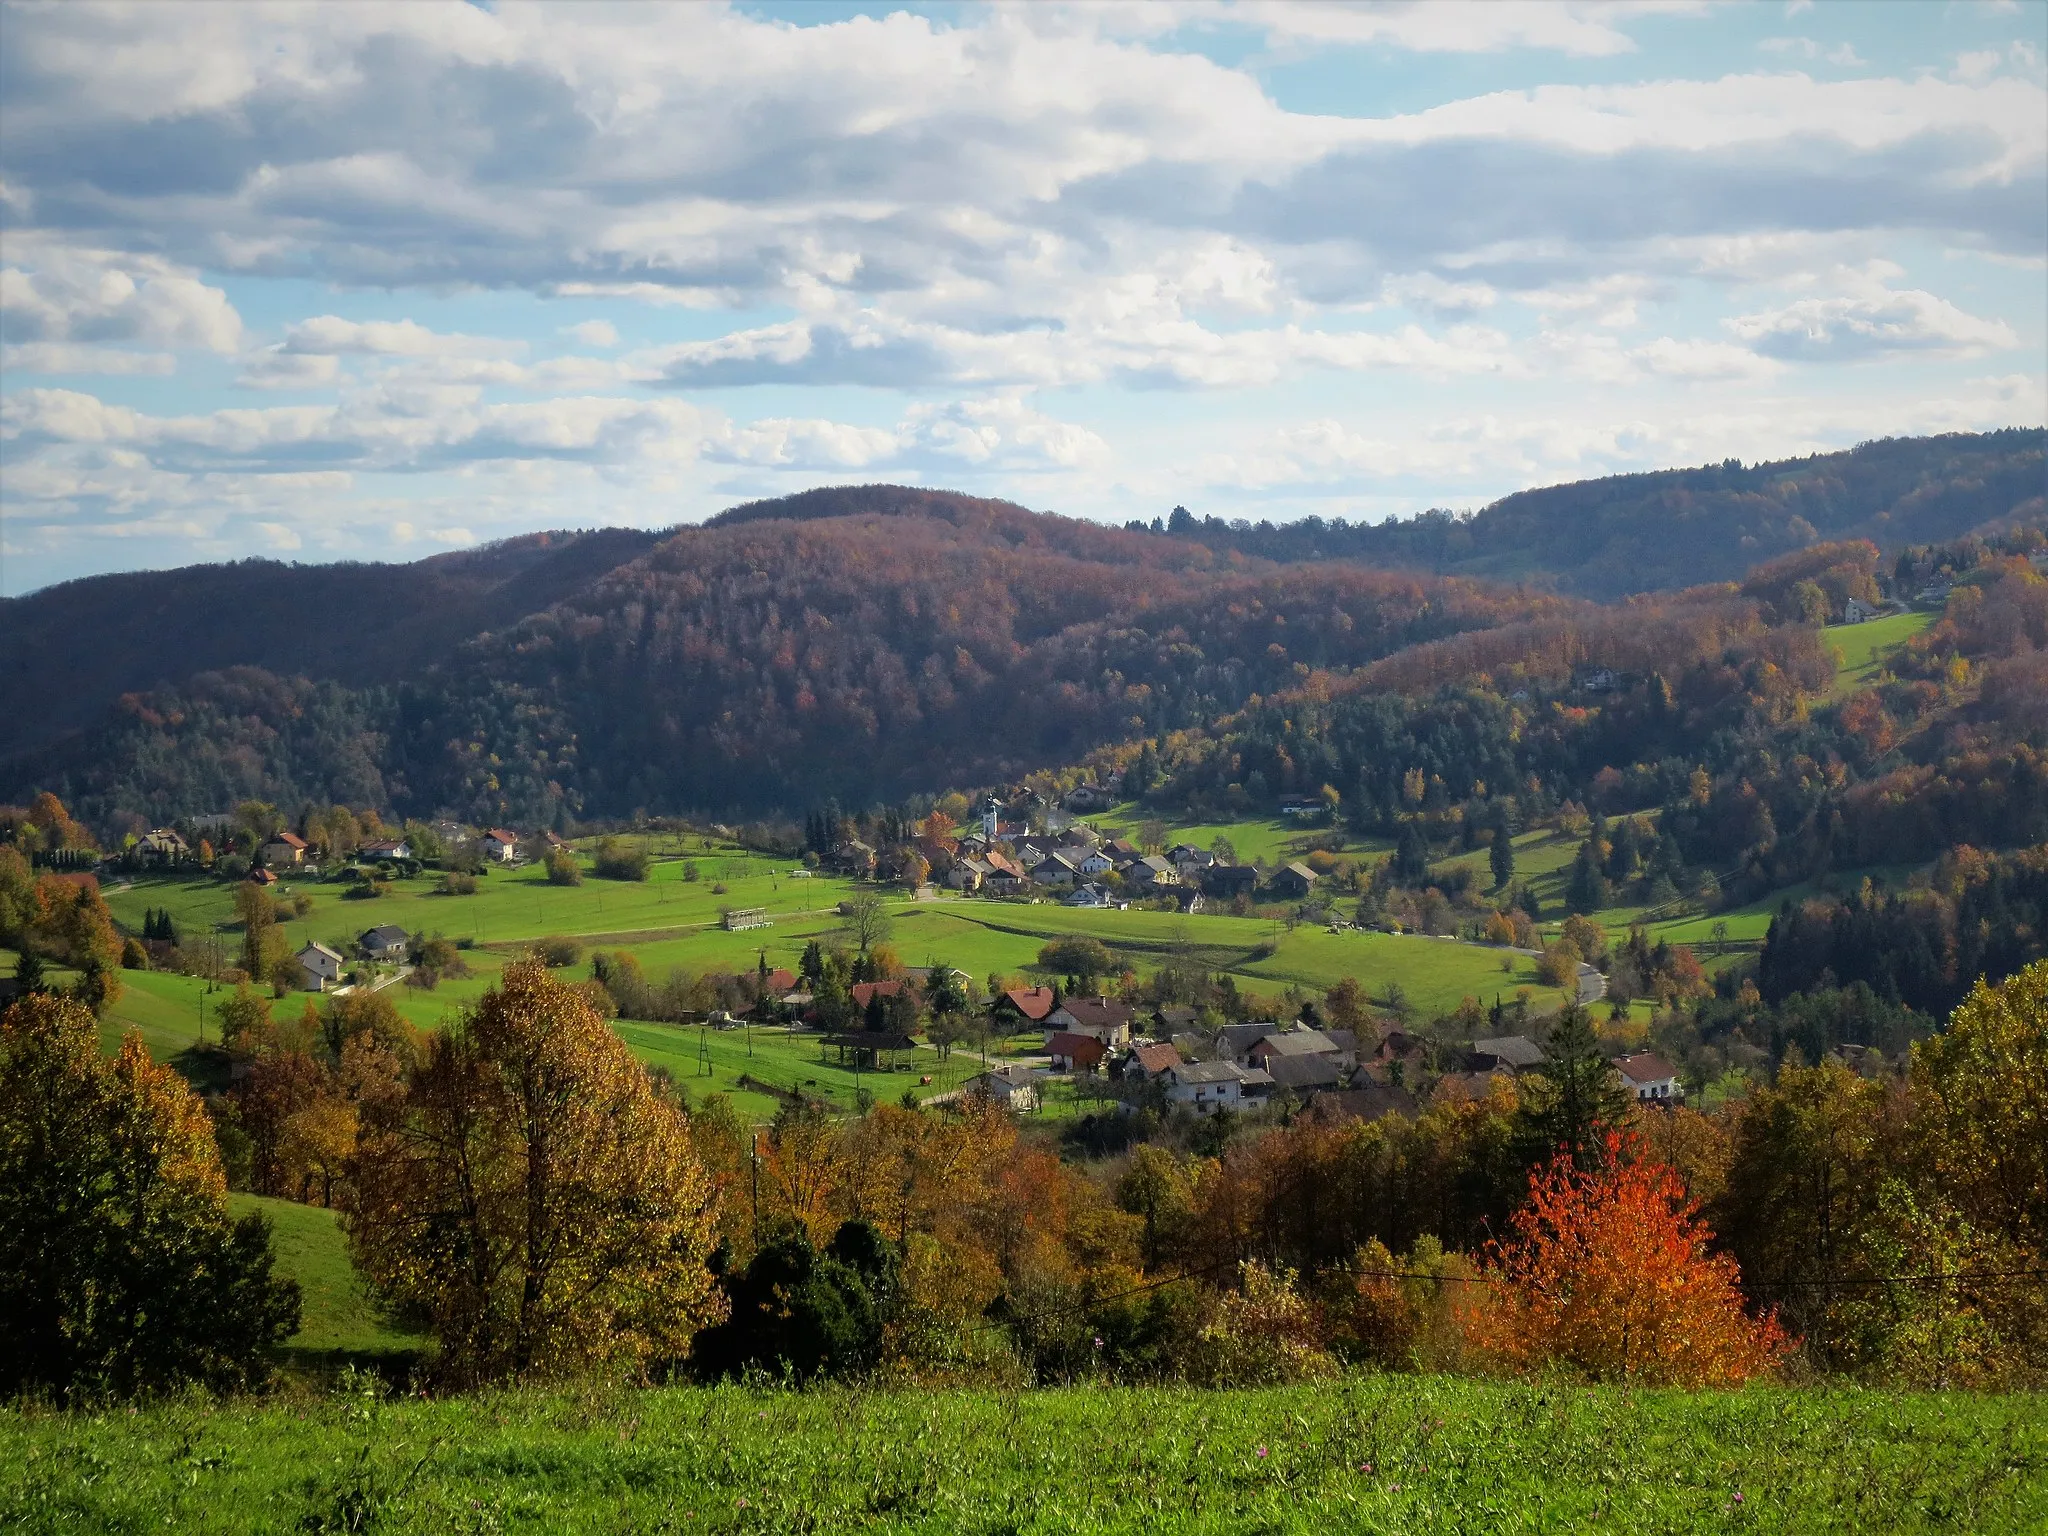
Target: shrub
620, 860
557, 952
457, 885
133, 956
562, 868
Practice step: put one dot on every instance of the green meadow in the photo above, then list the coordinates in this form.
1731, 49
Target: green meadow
1861, 650
337, 1320
1383, 1453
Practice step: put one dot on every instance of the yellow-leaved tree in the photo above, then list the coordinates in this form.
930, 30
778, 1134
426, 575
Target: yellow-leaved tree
532, 1196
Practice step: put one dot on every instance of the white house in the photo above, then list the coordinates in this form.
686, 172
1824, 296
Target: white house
1015, 1088
1096, 1017
162, 843
1089, 895
1650, 1077
386, 848
1212, 1087
499, 844
319, 966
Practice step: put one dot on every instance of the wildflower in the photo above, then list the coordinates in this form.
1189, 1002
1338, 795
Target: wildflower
1738, 1495
1262, 1453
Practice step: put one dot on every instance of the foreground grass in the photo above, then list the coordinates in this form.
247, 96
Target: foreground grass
1370, 1454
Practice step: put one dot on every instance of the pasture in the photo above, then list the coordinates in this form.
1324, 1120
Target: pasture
1379, 1453
1861, 649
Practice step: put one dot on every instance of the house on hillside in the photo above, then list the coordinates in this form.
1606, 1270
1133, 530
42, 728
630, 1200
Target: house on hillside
1651, 1078
1056, 871
1292, 882
1089, 895
1227, 882
1399, 1059
1303, 1075
968, 873
1074, 1053
1374, 1101
319, 967
1086, 799
1595, 679
1215, 1087
1023, 1006
162, 843
498, 845
1505, 1053
387, 941
1234, 1042
1107, 1021
1153, 875
259, 875
1147, 1062
395, 849
1189, 900
1856, 611
1291, 1045
284, 850
1014, 1088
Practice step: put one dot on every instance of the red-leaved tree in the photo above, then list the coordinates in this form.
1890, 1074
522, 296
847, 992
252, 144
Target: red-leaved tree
1609, 1272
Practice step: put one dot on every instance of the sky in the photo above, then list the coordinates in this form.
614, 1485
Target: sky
356, 281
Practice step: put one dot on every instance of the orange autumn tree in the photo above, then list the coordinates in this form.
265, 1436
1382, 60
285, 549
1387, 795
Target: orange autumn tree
1609, 1272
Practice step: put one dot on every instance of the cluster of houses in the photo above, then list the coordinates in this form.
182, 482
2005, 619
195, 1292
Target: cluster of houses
1243, 1066
321, 965
1076, 865
284, 852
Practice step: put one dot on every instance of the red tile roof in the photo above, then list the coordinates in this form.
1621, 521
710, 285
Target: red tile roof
863, 990
1156, 1058
1081, 1050
1033, 1002
1645, 1067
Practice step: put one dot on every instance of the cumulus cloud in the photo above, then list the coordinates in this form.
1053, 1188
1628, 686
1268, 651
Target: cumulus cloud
1869, 319
51, 292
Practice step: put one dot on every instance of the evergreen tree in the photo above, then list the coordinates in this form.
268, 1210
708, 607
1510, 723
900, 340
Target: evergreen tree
1586, 890
1411, 853
1575, 1099
812, 967
1502, 854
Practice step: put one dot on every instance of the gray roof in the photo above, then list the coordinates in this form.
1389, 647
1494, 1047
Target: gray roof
385, 935
1220, 1072
1303, 1071
1236, 1039
1299, 1042
1518, 1051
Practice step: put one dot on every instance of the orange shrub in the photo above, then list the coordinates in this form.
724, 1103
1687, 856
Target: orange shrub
1609, 1272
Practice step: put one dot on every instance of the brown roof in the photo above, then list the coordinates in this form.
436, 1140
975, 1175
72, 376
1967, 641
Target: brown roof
1645, 1067
1099, 1011
1035, 1003
864, 990
1367, 1103
1156, 1058
289, 839
502, 835
781, 981
1082, 1050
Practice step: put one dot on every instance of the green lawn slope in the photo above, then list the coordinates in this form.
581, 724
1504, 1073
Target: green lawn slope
336, 1318
1379, 1454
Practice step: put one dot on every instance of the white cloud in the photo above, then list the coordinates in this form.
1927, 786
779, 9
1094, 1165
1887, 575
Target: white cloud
1869, 319
53, 292
593, 333
68, 357
327, 335
1458, 26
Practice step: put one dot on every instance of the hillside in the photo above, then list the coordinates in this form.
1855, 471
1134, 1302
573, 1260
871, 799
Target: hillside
1673, 528
867, 643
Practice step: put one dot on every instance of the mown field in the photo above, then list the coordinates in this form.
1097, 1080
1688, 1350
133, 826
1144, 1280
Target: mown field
1861, 650
1377, 1454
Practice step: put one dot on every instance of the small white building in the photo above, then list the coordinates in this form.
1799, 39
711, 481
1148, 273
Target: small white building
386, 942
1015, 1088
499, 845
319, 966
1651, 1078
1213, 1087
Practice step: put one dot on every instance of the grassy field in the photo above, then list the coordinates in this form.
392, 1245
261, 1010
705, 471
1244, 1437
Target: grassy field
1274, 839
336, 1317
1380, 1454
1861, 649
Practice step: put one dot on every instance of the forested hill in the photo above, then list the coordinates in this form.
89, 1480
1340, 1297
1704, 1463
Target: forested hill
69, 651
866, 642
1680, 527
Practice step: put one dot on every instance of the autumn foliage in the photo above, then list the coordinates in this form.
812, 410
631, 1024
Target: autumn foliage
1609, 1273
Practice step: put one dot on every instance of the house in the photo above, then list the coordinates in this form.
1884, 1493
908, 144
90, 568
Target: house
1120, 848
1461, 1087
1345, 1043
1086, 798
498, 844
1097, 1016
1302, 810
1074, 1053
854, 857
261, 876
1505, 1053
284, 850
1182, 855
1291, 882
1213, 1087
1025, 1005
162, 843
1856, 611
1147, 1061
968, 873
385, 942
1226, 882
1171, 1019
1290, 1045
1303, 1075
1650, 1077
1398, 1059
319, 966
1189, 900
1234, 1042
1374, 1101
1014, 1088
1056, 870
392, 848
1594, 679
864, 992
1089, 895
1152, 873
